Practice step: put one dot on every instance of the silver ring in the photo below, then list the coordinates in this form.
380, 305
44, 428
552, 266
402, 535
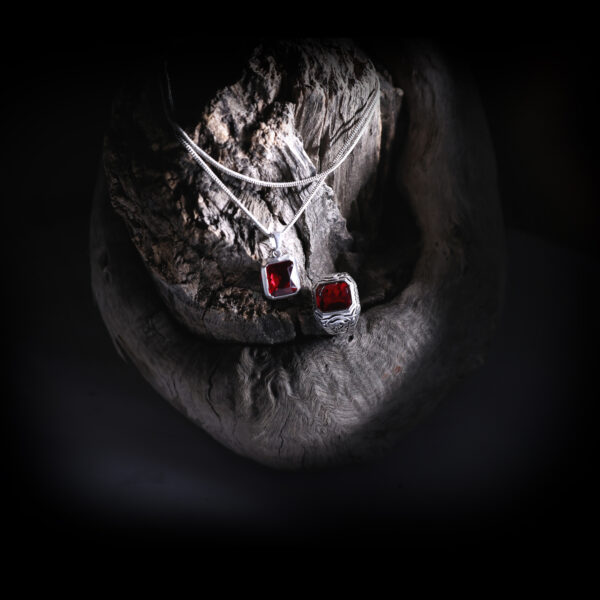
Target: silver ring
336, 304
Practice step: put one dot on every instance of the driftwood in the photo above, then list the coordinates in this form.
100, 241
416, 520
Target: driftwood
413, 216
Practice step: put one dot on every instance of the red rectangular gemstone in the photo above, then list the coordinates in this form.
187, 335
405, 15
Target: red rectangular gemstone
333, 296
281, 279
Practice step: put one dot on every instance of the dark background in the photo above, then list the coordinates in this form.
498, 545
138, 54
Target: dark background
540, 95
508, 456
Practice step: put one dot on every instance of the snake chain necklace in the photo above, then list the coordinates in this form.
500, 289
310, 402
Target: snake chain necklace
336, 297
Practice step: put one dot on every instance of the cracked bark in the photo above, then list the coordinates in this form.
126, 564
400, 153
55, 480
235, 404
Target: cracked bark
412, 215
201, 250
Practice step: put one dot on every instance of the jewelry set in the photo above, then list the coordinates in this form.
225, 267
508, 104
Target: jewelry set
336, 304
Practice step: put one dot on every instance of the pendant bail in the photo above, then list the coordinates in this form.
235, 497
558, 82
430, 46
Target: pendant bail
275, 238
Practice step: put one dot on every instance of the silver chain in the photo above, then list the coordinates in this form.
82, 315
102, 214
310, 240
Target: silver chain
202, 158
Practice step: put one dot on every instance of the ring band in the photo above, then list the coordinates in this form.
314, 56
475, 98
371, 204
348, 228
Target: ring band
336, 303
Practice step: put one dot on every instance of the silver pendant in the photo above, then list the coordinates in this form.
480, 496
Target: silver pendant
279, 274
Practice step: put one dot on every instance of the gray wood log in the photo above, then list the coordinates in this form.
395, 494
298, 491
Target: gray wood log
286, 118
414, 217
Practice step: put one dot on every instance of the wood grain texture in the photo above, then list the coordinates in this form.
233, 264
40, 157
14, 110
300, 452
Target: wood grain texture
285, 118
414, 217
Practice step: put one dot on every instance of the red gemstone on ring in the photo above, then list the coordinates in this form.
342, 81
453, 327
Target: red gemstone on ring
333, 296
280, 278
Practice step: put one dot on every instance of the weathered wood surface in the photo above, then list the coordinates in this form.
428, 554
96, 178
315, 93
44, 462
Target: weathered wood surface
419, 229
286, 118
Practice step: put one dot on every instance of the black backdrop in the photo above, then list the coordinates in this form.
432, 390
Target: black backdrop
540, 98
